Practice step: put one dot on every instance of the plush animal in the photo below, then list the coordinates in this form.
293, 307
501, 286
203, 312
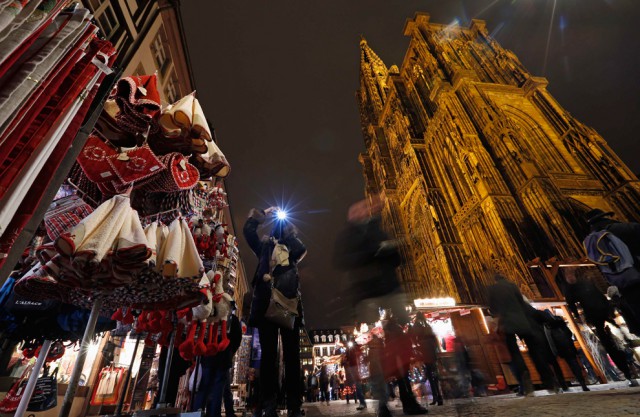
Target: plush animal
204, 309
222, 309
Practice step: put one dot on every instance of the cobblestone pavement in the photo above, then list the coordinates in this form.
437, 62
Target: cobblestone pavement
610, 400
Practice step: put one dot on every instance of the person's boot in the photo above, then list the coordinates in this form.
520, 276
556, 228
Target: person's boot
384, 412
414, 409
527, 384
633, 383
361, 407
583, 384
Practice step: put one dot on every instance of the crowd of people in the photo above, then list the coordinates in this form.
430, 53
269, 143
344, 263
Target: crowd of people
405, 343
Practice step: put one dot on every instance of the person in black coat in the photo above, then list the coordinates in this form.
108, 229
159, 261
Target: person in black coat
514, 313
371, 258
426, 343
597, 311
283, 232
561, 343
629, 233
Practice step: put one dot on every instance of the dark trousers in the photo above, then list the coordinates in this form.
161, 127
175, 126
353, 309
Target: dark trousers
406, 393
576, 368
617, 356
227, 397
269, 366
535, 345
353, 378
324, 394
631, 297
431, 371
558, 372
211, 391
376, 375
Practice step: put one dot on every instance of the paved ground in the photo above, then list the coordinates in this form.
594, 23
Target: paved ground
610, 400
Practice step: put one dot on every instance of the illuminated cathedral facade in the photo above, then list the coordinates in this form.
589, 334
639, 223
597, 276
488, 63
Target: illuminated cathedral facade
482, 169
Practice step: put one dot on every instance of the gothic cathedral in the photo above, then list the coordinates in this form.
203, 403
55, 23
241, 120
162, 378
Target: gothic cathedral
482, 169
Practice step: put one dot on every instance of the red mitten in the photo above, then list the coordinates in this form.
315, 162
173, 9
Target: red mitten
165, 324
117, 316
186, 347
164, 339
155, 322
212, 346
224, 343
185, 313
200, 348
128, 318
142, 325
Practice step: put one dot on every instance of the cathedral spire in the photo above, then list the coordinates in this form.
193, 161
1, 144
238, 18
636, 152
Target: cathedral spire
373, 75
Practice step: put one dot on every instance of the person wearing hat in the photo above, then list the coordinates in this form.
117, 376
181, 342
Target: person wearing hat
629, 233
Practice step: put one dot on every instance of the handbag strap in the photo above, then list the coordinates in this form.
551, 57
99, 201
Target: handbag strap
54, 374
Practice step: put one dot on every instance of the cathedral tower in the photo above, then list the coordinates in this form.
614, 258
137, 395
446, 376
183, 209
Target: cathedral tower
482, 168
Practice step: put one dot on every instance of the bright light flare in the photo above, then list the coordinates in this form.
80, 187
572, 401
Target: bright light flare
281, 214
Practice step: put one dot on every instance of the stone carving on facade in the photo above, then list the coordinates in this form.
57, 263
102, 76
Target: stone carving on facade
490, 170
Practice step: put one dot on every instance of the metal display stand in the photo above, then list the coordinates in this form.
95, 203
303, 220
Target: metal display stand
33, 378
89, 331
23, 239
128, 377
167, 367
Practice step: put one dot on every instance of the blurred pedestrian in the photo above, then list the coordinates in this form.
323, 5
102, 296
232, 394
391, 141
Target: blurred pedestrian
507, 304
561, 342
341, 384
324, 384
623, 260
281, 271
398, 357
371, 258
428, 347
333, 384
351, 363
597, 310
620, 304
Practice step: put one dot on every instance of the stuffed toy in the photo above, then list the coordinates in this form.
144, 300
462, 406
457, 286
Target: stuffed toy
222, 309
204, 309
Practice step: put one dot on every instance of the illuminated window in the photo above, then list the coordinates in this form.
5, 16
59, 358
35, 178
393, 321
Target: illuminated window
172, 89
105, 17
160, 54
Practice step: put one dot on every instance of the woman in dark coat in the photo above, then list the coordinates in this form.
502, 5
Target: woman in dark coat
283, 233
561, 343
597, 310
428, 347
324, 384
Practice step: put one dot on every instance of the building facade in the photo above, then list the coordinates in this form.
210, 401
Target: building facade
326, 343
149, 37
306, 352
482, 169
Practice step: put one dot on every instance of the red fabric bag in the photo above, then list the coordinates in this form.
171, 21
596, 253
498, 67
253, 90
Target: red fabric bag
94, 160
140, 163
11, 401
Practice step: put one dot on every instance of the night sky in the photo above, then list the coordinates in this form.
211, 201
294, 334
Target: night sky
277, 78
